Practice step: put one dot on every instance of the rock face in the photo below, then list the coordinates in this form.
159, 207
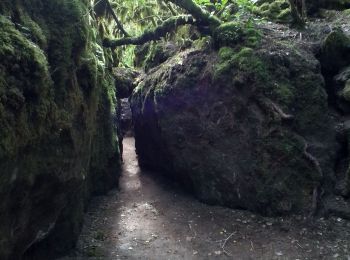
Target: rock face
57, 140
126, 118
242, 127
125, 80
314, 5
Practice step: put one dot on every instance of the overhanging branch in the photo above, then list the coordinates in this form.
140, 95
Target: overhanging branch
119, 24
155, 34
197, 12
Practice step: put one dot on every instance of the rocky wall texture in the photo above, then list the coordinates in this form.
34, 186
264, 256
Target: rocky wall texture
246, 126
58, 142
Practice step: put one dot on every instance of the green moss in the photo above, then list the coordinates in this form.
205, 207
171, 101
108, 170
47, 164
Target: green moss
224, 64
32, 30
237, 32
265, 7
284, 16
278, 11
25, 88
57, 112
229, 34
275, 8
245, 60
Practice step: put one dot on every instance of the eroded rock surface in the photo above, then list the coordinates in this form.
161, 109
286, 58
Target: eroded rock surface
245, 127
58, 143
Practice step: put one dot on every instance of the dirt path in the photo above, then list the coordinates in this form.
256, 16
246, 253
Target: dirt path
150, 218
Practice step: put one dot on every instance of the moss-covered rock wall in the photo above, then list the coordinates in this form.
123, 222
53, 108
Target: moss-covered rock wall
58, 142
245, 126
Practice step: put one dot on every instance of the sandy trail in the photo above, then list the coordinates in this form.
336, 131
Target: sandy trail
151, 218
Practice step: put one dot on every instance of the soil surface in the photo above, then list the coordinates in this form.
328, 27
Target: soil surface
152, 218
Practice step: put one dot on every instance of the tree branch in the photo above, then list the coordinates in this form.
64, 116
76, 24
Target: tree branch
198, 13
155, 34
119, 24
170, 8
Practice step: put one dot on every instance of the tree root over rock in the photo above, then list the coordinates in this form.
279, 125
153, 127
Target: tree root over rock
316, 164
271, 108
279, 115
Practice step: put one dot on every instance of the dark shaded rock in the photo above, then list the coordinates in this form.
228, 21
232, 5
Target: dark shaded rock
337, 206
335, 52
334, 55
151, 55
126, 118
314, 5
57, 139
246, 128
342, 86
125, 81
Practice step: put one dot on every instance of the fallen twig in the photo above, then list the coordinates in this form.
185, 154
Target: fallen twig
224, 244
194, 231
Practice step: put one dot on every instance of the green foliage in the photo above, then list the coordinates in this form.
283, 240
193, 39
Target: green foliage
139, 16
218, 6
245, 5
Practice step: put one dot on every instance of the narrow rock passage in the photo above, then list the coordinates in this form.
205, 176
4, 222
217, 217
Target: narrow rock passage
150, 218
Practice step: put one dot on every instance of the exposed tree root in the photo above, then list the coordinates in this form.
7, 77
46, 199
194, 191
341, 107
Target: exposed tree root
312, 159
270, 107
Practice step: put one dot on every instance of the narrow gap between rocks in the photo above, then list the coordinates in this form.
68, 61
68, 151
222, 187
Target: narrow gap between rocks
150, 217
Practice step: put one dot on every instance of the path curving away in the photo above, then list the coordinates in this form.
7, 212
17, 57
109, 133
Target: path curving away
151, 218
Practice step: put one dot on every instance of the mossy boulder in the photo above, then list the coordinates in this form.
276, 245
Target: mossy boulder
277, 11
239, 126
58, 143
335, 51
